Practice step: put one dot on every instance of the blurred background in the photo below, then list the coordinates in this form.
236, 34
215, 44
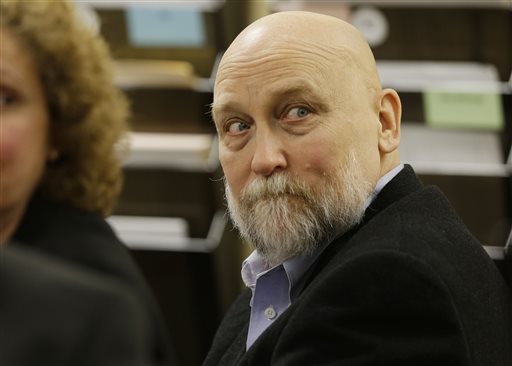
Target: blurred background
450, 61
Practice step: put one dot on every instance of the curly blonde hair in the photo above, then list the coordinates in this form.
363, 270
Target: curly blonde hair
88, 114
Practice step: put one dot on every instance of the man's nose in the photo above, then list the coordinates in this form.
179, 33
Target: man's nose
269, 154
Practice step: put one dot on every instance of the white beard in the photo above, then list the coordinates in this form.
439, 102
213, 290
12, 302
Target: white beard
282, 217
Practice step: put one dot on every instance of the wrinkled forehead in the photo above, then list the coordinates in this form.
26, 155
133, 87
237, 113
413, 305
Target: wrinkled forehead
284, 59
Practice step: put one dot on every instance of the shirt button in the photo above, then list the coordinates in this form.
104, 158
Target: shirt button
270, 312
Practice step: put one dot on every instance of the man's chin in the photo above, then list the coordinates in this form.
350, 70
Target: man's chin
274, 254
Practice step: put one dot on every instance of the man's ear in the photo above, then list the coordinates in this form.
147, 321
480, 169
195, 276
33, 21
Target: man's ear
390, 115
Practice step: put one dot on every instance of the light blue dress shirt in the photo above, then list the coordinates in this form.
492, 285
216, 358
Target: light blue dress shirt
274, 289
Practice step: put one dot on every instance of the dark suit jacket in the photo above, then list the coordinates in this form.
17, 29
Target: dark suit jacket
86, 241
56, 314
408, 286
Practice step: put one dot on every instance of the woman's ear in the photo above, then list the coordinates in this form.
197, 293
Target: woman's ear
390, 115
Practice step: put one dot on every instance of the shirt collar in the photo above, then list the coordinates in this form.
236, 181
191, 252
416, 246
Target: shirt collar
252, 267
385, 179
255, 267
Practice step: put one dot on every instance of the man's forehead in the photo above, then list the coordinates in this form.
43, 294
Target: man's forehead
284, 52
280, 60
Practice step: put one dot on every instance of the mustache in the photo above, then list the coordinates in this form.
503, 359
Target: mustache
278, 184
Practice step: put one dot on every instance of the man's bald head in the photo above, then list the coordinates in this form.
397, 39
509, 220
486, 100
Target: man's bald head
318, 36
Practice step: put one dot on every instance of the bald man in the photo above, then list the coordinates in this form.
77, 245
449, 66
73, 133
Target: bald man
354, 261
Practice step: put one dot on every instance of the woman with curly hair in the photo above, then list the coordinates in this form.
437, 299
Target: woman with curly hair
62, 125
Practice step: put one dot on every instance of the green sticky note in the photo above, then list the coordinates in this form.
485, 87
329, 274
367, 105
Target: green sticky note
463, 109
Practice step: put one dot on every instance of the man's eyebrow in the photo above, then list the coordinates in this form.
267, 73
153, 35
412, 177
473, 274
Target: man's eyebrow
293, 88
300, 90
224, 107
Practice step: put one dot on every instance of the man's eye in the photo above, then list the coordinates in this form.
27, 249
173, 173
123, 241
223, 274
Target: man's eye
237, 128
298, 112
